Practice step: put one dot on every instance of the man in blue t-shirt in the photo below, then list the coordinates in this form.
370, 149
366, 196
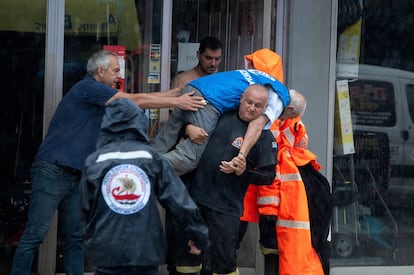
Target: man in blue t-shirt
71, 137
222, 92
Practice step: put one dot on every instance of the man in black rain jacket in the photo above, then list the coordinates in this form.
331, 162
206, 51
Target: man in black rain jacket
121, 183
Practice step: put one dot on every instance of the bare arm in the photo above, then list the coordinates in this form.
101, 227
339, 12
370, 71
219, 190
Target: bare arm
166, 99
252, 134
195, 133
238, 163
178, 81
168, 93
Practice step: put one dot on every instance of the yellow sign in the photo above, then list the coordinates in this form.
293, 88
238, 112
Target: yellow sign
343, 135
349, 51
100, 18
349, 44
23, 16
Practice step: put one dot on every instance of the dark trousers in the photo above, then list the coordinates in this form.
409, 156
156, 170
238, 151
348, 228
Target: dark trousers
127, 270
223, 239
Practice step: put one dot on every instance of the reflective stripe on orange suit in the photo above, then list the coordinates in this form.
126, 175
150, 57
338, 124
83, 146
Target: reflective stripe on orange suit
264, 200
260, 200
296, 254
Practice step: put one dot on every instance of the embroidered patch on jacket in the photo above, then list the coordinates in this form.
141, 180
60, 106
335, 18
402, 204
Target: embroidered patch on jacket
237, 142
126, 189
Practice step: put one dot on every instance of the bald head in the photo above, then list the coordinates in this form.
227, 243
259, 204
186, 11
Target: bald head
297, 105
253, 102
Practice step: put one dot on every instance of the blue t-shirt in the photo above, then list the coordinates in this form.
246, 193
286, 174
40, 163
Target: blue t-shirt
74, 128
224, 89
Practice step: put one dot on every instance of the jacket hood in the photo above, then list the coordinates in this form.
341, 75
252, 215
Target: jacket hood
122, 120
267, 61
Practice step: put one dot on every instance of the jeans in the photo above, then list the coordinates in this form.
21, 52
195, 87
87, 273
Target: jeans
52, 189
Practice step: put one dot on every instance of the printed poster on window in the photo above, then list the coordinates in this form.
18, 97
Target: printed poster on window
348, 51
343, 135
187, 56
154, 64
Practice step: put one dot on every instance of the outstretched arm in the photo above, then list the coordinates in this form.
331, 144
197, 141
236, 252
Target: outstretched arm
167, 99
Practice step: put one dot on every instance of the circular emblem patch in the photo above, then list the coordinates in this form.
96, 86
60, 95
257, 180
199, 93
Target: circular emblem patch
126, 189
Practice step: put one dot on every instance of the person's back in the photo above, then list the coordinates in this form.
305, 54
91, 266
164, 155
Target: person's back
223, 89
222, 92
119, 189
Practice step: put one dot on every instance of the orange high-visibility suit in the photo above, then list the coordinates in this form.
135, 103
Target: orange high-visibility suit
296, 253
286, 198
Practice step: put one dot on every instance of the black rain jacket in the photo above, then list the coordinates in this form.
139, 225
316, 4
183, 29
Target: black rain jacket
121, 184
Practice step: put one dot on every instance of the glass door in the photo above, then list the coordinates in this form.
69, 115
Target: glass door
22, 51
242, 26
132, 28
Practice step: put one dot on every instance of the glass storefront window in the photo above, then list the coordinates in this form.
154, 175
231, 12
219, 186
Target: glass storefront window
237, 24
374, 185
131, 28
22, 51
89, 26
372, 103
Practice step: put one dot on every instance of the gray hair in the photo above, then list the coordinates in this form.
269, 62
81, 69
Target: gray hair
99, 59
298, 102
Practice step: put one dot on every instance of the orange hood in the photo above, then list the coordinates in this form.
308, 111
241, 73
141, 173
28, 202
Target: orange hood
267, 61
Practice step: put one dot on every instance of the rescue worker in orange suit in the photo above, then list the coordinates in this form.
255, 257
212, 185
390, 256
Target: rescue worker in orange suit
262, 202
261, 205
302, 228
271, 63
299, 232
